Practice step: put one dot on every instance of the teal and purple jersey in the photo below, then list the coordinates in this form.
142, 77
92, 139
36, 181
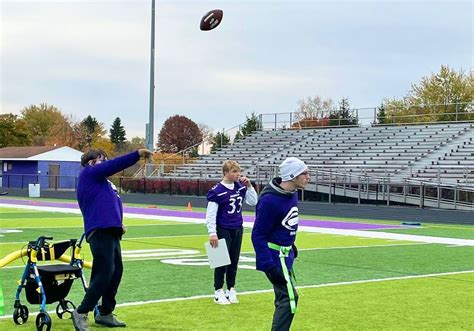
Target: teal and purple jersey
229, 213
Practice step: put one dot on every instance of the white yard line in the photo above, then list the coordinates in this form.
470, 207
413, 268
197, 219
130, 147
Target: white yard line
196, 297
388, 235
356, 233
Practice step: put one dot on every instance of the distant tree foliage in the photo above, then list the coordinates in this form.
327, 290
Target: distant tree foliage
105, 145
443, 96
343, 115
134, 144
206, 132
312, 112
13, 131
178, 133
117, 135
251, 125
87, 132
47, 125
220, 140
381, 115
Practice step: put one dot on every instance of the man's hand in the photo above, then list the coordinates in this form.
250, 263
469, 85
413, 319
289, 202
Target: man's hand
244, 180
295, 251
145, 153
124, 229
213, 240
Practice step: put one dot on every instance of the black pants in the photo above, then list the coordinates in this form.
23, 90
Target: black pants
106, 273
233, 239
283, 316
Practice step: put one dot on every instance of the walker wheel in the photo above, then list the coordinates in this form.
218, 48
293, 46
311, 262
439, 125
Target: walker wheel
65, 307
43, 322
20, 314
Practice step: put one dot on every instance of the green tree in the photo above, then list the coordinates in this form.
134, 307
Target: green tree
344, 115
238, 135
13, 131
220, 140
381, 115
87, 132
117, 135
251, 125
178, 133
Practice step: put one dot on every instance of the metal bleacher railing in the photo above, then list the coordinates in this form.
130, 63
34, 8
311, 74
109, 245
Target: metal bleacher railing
382, 189
425, 157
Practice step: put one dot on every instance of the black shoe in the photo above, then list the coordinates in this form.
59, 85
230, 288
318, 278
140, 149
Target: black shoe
109, 320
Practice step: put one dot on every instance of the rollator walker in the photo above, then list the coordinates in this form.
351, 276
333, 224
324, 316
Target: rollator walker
46, 284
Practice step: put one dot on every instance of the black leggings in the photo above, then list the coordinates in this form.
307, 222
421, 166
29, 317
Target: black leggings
106, 273
233, 239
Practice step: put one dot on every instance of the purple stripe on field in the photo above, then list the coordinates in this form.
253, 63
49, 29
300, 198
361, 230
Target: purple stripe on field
202, 215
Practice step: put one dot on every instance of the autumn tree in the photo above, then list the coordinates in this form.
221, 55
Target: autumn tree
443, 96
105, 145
47, 125
313, 111
178, 133
88, 131
117, 135
13, 131
206, 132
134, 144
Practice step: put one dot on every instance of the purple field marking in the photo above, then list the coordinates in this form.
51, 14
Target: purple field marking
201, 215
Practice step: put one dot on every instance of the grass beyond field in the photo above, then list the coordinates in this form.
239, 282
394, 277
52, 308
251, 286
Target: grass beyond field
345, 282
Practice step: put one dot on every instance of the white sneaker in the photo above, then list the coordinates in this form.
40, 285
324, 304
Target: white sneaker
220, 298
231, 296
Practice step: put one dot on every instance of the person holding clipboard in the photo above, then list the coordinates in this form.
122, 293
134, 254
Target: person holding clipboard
224, 221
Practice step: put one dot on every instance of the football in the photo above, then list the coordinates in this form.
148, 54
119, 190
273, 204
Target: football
211, 20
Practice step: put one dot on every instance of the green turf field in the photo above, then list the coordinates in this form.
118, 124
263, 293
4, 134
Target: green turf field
346, 282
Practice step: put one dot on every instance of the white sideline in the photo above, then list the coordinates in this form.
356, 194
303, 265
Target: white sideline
139, 303
357, 233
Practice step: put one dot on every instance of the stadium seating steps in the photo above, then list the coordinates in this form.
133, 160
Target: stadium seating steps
436, 152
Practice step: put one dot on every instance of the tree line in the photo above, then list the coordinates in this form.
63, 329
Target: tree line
443, 96
46, 125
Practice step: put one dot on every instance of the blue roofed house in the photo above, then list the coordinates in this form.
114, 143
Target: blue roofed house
50, 166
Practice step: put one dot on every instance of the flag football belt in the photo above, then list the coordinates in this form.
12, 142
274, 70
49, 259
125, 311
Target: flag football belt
284, 252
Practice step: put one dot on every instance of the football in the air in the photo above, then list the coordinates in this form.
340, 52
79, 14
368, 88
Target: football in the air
211, 20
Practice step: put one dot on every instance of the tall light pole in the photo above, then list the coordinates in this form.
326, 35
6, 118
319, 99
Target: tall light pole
150, 125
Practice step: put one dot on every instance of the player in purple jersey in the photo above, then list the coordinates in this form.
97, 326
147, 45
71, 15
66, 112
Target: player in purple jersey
274, 235
224, 221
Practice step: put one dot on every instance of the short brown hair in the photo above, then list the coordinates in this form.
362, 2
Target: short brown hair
92, 154
229, 165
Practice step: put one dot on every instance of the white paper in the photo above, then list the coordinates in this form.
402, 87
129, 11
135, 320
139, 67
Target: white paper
218, 256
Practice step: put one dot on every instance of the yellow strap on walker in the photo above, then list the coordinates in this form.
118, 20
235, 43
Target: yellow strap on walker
284, 252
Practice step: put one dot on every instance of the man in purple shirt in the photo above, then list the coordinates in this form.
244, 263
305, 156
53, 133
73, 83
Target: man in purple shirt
224, 221
274, 235
101, 208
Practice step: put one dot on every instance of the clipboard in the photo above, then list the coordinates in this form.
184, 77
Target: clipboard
219, 256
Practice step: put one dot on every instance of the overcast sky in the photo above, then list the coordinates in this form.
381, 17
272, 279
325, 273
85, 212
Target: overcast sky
93, 57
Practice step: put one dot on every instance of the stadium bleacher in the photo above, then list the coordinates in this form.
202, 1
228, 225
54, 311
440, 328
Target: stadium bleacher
439, 152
